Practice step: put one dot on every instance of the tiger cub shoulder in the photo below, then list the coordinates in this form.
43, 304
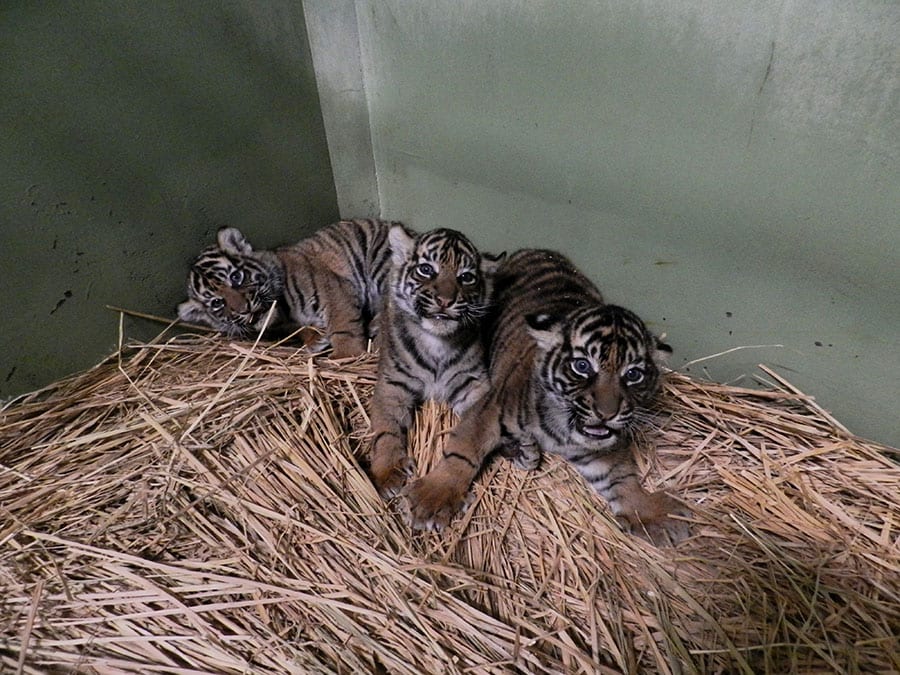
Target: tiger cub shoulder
332, 281
430, 346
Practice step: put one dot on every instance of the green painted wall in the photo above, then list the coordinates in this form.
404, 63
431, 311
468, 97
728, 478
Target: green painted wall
729, 170
129, 131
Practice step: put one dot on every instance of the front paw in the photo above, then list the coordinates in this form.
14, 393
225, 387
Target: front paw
658, 520
524, 456
345, 347
346, 351
390, 477
432, 502
313, 339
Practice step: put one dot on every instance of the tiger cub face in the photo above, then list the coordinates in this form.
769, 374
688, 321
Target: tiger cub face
599, 364
231, 287
440, 279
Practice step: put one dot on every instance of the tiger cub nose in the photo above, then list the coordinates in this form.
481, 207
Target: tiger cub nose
235, 301
607, 398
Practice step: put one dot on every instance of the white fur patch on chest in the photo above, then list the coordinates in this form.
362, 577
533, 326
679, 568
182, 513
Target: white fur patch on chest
432, 347
434, 350
430, 342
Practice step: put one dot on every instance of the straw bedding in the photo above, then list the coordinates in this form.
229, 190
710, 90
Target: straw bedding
197, 506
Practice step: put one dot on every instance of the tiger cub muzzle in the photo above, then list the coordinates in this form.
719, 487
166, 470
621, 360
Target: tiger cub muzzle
441, 299
602, 412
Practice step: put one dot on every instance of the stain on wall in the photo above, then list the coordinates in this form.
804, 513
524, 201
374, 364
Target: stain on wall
130, 133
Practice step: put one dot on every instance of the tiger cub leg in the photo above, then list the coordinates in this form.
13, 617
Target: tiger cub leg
645, 514
344, 322
390, 414
435, 498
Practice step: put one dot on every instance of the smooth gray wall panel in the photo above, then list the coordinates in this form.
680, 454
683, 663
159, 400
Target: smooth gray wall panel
334, 42
729, 170
130, 132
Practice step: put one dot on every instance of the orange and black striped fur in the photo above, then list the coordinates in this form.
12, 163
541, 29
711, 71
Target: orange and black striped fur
430, 345
333, 281
569, 375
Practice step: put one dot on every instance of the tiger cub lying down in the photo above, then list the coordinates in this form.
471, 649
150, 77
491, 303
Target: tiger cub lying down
430, 343
333, 280
568, 376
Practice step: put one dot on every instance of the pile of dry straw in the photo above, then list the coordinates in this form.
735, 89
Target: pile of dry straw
196, 506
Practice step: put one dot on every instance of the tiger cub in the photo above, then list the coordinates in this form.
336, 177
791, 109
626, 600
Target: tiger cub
568, 375
333, 280
430, 343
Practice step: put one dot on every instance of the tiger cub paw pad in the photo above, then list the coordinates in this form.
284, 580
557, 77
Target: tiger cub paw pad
432, 506
389, 480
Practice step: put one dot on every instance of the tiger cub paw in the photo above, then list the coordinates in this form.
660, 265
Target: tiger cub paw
433, 502
390, 477
658, 520
524, 456
313, 339
346, 348
338, 355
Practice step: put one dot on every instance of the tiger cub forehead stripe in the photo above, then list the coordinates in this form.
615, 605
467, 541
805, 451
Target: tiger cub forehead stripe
447, 247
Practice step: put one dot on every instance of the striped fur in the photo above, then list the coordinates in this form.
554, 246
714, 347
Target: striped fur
333, 281
430, 346
569, 375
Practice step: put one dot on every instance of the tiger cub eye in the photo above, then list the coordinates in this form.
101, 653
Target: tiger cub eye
581, 367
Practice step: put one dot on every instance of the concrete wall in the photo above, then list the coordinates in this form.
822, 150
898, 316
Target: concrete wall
130, 132
729, 170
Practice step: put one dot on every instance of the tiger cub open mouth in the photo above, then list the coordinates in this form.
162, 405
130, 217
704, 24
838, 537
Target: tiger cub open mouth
600, 431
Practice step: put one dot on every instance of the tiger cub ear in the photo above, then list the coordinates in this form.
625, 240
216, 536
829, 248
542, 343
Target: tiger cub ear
545, 329
490, 262
231, 240
402, 244
661, 350
192, 311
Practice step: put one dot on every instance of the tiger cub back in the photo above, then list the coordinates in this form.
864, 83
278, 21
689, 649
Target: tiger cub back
430, 345
569, 375
333, 281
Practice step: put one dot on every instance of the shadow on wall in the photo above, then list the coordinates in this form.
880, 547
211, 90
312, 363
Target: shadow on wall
761, 132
